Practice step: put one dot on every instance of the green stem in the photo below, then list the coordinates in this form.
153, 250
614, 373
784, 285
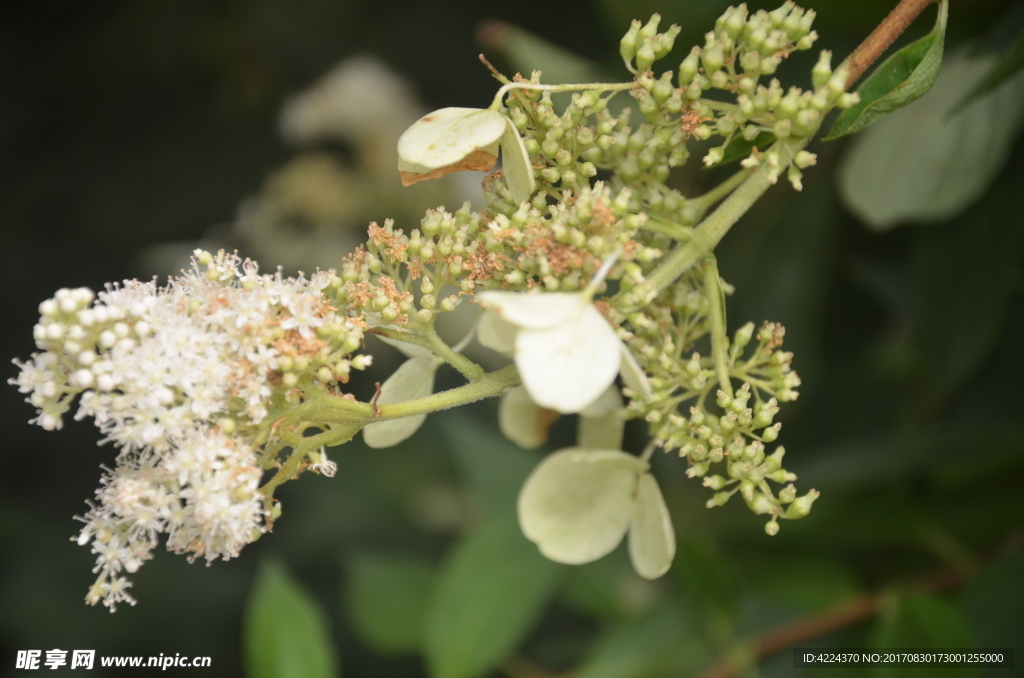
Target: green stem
405, 337
337, 410
714, 227
719, 340
469, 369
487, 386
671, 229
720, 191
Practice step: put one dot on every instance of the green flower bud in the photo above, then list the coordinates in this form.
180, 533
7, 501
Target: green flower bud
734, 21
663, 88
688, 68
714, 156
650, 29
770, 64
719, 499
646, 103
782, 128
713, 58
806, 42
837, 83
664, 43
848, 99
550, 175
789, 105
697, 470
627, 46
792, 24
756, 39
761, 504
803, 160
715, 482
822, 70
771, 528
787, 494
628, 169
802, 506
777, 16
645, 57
751, 61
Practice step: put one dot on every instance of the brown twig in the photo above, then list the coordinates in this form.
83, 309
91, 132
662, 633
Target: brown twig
376, 397
852, 612
875, 44
494, 71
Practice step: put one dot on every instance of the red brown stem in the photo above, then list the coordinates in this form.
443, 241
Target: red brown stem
883, 36
859, 609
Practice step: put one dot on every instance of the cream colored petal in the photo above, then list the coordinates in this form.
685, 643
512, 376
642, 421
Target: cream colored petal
521, 421
532, 310
496, 333
515, 164
413, 379
482, 159
602, 424
633, 376
447, 136
609, 402
407, 349
577, 504
565, 368
652, 542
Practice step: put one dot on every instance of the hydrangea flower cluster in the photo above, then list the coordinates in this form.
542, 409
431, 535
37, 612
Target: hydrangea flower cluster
226, 373
179, 378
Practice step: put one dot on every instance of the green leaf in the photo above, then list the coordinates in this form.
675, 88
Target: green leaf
925, 164
663, 643
740, 148
1011, 61
493, 468
386, 600
285, 633
994, 601
902, 78
922, 621
489, 595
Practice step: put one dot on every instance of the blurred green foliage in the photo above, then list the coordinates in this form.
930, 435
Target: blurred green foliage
128, 125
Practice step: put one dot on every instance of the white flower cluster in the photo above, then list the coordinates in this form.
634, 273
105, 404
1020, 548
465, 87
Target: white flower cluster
176, 377
202, 495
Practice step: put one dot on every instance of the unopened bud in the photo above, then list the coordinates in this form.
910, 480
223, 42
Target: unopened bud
802, 506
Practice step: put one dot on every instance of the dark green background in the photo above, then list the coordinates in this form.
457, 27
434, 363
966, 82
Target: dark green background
124, 124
